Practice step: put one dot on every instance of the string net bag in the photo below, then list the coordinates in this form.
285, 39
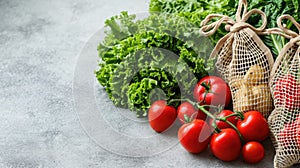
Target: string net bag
284, 121
242, 59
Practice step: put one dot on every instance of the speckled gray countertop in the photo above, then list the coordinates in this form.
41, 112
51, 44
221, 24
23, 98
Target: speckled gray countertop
40, 43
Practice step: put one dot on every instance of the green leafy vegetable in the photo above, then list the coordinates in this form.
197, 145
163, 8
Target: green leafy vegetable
195, 10
161, 56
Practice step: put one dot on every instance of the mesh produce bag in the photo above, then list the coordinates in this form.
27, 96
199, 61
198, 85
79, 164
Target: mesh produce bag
243, 60
284, 121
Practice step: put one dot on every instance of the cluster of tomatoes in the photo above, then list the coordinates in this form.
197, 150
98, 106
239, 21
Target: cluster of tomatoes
228, 134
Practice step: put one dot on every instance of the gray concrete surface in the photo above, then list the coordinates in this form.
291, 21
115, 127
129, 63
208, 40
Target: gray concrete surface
40, 42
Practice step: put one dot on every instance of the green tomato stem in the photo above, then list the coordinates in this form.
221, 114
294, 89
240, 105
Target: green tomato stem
202, 108
224, 119
237, 114
206, 86
186, 118
214, 125
232, 125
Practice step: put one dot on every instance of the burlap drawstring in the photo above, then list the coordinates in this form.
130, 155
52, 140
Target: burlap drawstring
242, 15
287, 33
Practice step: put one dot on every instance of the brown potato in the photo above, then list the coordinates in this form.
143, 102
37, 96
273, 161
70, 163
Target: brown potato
242, 99
262, 99
254, 75
237, 82
253, 98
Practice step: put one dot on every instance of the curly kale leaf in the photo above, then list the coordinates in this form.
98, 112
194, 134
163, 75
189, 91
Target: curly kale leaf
155, 76
195, 11
137, 78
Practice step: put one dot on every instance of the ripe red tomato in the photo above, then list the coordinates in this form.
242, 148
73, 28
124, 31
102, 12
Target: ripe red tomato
254, 127
287, 92
222, 124
212, 90
253, 152
195, 136
226, 145
189, 110
161, 116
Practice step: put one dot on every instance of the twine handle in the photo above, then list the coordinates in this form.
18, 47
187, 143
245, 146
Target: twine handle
209, 29
247, 15
285, 30
242, 7
242, 15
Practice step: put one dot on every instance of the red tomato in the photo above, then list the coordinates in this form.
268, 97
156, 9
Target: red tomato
189, 110
253, 152
195, 136
254, 127
222, 124
161, 116
212, 90
226, 145
287, 92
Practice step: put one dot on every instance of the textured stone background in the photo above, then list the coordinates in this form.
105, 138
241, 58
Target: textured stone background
40, 42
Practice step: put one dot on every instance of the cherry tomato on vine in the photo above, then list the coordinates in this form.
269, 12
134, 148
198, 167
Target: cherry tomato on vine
226, 145
253, 127
161, 116
212, 90
222, 124
188, 110
253, 152
195, 136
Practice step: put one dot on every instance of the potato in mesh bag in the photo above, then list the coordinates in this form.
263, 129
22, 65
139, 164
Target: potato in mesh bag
243, 60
